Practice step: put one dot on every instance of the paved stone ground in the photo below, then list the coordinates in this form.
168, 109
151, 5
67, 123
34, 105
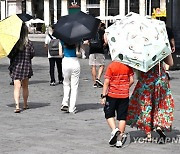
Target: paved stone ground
44, 129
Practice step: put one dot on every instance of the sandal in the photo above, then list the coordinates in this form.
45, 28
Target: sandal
64, 108
17, 111
25, 108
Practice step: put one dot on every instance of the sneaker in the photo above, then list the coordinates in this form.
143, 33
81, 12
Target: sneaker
99, 83
64, 108
119, 144
123, 140
12, 83
99, 86
83, 57
119, 141
73, 112
61, 82
52, 84
114, 135
95, 85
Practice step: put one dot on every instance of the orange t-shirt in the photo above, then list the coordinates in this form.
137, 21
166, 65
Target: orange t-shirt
119, 76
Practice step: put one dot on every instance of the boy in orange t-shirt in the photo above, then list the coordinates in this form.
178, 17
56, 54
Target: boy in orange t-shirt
115, 98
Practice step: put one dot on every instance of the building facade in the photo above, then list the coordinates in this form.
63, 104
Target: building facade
51, 10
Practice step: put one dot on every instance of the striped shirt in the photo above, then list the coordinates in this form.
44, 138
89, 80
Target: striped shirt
119, 76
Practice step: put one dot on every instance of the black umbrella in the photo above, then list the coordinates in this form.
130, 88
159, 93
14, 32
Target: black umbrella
75, 27
25, 17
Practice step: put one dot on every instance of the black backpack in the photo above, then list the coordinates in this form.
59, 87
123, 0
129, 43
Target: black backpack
53, 46
96, 42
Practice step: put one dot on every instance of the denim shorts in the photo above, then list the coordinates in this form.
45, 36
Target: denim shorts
118, 106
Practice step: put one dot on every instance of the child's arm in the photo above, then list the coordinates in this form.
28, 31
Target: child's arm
105, 89
131, 81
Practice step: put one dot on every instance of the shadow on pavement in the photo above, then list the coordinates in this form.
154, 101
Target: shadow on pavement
38, 81
89, 106
32, 105
139, 135
39, 49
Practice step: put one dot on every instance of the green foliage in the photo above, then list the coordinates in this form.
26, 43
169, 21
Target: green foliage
43, 28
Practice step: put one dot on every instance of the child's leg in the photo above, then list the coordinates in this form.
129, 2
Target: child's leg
122, 125
115, 131
121, 139
111, 122
109, 110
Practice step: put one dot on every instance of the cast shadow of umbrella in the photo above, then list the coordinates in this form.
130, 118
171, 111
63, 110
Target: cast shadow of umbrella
88, 106
172, 137
32, 105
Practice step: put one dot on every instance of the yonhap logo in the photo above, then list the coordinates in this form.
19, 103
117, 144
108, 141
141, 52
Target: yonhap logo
173, 140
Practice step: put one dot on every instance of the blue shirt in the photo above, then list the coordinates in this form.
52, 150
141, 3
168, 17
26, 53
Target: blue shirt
68, 52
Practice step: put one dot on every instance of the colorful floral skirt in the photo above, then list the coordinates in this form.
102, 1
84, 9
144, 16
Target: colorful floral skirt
151, 105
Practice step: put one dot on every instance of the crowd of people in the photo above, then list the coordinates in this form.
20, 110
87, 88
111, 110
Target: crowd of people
150, 106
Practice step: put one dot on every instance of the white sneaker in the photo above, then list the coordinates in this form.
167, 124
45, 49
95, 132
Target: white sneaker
74, 111
124, 139
119, 144
83, 57
52, 84
114, 135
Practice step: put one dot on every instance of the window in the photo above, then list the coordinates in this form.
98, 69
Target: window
113, 7
134, 6
93, 1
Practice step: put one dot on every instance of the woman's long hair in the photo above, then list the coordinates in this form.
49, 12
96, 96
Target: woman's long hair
23, 40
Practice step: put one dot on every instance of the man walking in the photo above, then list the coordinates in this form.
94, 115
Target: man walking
96, 57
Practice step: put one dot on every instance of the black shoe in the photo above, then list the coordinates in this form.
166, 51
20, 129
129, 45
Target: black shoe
64, 108
162, 135
99, 83
52, 84
12, 83
61, 82
99, 86
95, 85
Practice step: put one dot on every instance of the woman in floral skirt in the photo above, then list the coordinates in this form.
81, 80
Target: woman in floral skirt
151, 104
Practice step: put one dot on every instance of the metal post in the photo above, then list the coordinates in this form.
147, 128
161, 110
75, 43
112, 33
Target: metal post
6, 8
55, 11
107, 7
150, 7
146, 8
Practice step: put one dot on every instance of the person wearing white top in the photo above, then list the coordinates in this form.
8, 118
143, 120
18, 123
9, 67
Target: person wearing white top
53, 60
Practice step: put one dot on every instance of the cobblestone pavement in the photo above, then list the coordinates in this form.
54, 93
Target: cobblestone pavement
44, 129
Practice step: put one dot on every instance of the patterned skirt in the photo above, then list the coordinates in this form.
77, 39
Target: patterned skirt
151, 105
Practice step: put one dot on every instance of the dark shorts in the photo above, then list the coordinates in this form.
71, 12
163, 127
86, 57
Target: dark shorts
118, 105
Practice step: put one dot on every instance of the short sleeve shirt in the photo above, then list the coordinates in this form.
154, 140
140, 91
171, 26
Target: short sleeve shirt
98, 50
68, 52
119, 76
47, 41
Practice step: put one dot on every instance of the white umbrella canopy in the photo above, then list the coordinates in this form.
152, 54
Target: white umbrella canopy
138, 41
118, 17
36, 21
105, 17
